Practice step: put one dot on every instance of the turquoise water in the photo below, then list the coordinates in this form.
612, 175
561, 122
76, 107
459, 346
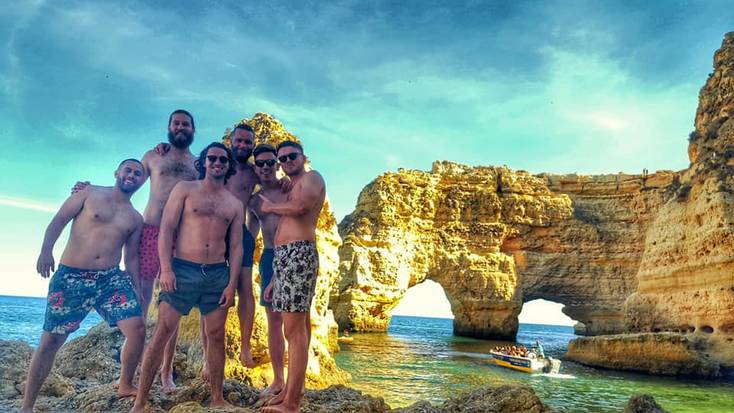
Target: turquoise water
419, 358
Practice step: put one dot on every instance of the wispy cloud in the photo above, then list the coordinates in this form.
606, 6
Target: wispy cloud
29, 204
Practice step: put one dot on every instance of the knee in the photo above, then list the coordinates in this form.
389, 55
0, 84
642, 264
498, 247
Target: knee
136, 332
215, 334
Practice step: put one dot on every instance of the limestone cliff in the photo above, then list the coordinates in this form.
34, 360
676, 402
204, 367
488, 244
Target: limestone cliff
646, 253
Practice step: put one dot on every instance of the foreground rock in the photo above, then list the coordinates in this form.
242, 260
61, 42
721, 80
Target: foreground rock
643, 404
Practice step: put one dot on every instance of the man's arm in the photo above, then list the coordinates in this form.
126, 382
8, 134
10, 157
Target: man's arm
302, 199
132, 255
235, 258
169, 223
253, 221
68, 211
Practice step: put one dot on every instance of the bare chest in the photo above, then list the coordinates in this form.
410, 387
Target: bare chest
179, 170
107, 215
242, 184
204, 207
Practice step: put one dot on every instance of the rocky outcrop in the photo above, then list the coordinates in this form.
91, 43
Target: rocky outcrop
648, 253
656, 353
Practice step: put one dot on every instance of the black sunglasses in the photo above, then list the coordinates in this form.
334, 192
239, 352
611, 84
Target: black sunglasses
292, 156
268, 162
222, 159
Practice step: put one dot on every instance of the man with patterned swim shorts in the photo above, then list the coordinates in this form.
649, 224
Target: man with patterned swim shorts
296, 266
265, 167
88, 275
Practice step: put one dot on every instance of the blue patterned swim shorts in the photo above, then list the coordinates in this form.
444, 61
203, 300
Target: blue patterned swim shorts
73, 293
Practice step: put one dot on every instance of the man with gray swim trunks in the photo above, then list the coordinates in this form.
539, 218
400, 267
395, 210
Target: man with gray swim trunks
296, 266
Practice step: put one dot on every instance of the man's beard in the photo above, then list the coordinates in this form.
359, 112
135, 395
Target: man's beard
241, 155
125, 188
173, 139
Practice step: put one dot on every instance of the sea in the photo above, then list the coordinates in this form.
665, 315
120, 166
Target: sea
420, 359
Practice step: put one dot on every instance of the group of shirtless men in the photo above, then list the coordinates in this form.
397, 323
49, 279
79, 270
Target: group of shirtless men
197, 235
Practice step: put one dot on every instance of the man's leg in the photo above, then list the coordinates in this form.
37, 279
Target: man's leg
246, 314
167, 370
214, 322
43, 360
146, 295
204, 348
276, 349
134, 331
168, 319
296, 332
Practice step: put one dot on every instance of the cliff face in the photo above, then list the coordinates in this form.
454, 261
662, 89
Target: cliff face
496, 238
649, 253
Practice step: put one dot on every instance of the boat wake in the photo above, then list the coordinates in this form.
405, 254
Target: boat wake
558, 375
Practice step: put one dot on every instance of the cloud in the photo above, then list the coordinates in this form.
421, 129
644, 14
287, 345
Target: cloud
28, 204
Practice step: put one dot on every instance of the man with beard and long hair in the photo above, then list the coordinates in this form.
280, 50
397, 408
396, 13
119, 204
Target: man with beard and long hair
88, 276
196, 273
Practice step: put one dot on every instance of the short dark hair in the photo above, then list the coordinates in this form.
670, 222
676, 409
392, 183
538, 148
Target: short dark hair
292, 144
185, 112
245, 127
263, 148
130, 160
199, 163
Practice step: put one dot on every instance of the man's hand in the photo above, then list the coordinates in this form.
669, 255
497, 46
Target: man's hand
79, 186
168, 281
267, 205
268, 293
285, 185
162, 148
227, 298
45, 264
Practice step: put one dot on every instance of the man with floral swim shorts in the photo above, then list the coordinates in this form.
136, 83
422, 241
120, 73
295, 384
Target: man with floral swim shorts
296, 266
88, 275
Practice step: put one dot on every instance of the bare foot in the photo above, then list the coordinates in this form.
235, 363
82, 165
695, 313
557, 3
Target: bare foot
273, 390
167, 383
277, 399
221, 404
280, 408
126, 391
246, 357
205, 375
137, 409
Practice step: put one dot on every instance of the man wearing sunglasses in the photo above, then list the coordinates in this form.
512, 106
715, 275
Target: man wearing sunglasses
266, 166
296, 266
204, 213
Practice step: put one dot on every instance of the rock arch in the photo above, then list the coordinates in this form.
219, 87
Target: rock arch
495, 238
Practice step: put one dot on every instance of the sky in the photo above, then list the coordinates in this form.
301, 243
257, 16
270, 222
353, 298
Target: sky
369, 86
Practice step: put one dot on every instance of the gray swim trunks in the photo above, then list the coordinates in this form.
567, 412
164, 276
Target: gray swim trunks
296, 266
197, 285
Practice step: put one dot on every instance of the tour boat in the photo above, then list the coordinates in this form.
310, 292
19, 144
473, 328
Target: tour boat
525, 364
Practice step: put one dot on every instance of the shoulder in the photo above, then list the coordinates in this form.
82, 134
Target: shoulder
96, 192
314, 177
185, 186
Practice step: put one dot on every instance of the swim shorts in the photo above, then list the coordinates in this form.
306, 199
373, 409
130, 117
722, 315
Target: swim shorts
197, 285
266, 274
248, 248
295, 266
73, 292
150, 264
